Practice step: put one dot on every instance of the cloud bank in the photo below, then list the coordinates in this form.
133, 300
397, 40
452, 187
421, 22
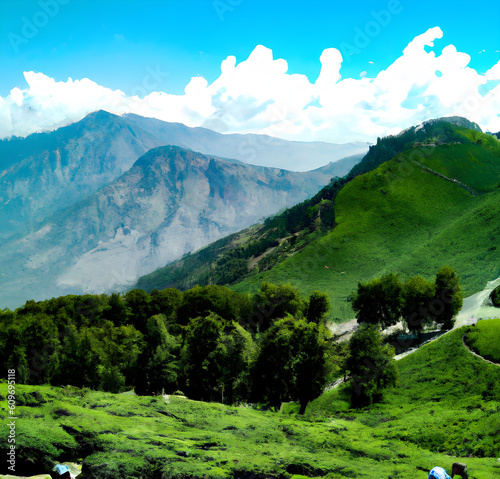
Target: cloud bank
259, 96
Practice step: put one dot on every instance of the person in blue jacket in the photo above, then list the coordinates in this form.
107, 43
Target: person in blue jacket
458, 469
61, 471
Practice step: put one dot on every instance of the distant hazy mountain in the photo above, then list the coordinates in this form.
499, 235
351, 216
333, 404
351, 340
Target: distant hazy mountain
170, 202
253, 149
47, 172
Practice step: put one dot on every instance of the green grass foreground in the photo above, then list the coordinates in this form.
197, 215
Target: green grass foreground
484, 339
446, 408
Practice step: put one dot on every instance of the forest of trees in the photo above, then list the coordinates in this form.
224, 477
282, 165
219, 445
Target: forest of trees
417, 302
211, 343
215, 344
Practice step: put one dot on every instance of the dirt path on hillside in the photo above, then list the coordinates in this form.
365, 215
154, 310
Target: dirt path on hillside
475, 307
342, 329
475, 354
458, 183
345, 330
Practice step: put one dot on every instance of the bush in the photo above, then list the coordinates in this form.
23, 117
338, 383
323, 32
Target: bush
495, 296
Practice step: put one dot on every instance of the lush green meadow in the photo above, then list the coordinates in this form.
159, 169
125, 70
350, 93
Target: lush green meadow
484, 339
446, 408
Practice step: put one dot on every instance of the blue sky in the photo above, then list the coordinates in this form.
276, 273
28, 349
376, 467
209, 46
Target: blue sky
143, 46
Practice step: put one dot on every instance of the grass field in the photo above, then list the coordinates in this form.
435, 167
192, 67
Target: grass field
446, 408
484, 339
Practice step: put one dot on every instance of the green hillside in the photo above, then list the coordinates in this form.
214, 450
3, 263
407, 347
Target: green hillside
446, 409
434, 203
402, 217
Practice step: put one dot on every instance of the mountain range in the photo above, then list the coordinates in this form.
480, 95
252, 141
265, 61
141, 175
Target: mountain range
47, 172
92, 206
262, 150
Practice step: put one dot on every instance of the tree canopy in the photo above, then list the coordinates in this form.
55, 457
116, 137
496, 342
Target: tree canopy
291, 365
200, 341
371, 366
448, 298
419, 303
417, 296
379, 301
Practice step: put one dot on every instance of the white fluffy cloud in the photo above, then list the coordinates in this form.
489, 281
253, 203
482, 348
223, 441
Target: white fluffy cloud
259, 95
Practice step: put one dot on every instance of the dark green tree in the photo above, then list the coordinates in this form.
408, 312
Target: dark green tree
166, 302
309, 364
199, 358
371, 366
448, 298
138, 303
234, 353
291, 363
80, 359
379, 301
120, 348
203, 300
274, 302
117, 311
216, 357
158, 363
417, 298
89, 309
13, 352
42, 347
318, 307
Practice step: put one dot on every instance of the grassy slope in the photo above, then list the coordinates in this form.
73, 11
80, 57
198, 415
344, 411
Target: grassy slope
484, 339
476, 164
446, 395
400, 218
448, 401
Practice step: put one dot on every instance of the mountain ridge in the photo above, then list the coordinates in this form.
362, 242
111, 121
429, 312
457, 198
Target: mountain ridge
256, 149
46, 172
72, 163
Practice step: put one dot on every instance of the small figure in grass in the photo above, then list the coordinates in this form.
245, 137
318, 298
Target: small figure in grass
458, 469
60, 472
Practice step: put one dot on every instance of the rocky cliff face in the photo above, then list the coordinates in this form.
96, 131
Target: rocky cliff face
51, 171
170, 202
